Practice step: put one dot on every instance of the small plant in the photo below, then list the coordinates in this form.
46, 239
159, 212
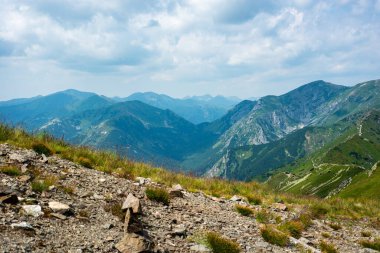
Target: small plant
326, 235
42, 184
69, 189
39, 186
306, 219
158, 195
219, 244
371, 244
335, 226
274, 236
294, 228
115, 209
41, 148
318, 210
10, 171
84, 213
86, 162
5, 132
327, 247
263, 216
366, 233
254, 199
244, 210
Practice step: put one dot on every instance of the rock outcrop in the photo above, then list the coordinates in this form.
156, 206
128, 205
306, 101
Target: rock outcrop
83, 210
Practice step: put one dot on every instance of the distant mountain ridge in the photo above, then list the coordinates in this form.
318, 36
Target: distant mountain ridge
196, 109
275, 137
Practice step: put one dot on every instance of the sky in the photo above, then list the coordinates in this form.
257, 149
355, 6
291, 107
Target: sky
244, 48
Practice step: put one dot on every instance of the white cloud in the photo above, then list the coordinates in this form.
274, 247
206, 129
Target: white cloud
189, 44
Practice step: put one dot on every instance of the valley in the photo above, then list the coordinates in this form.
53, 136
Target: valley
295, 141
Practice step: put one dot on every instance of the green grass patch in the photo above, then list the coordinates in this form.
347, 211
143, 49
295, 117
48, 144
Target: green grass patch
327, 247
371, 244
158, 194
219, 244
254, 199
86, 162
42, 184
366, 233
41, 148
326, 235
293, 228
10, 171
244, 210
263, 216
335, 226
274, 236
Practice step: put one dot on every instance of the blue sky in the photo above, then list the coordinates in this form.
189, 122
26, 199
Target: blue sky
242, 48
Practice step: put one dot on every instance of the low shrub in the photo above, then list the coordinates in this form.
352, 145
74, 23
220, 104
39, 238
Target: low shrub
42, 184
39, 186
366, 233
11, 171
263, 216
335, 226
5, 132
69, 189
219, 244
306, 219
293, 228
158, 195
86, 162
41, 148
274, 236
254, 199
371, 244
318, 210
326, 235
327, 247
244, 210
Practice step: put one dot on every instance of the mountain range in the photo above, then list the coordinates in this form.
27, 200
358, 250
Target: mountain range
320, 139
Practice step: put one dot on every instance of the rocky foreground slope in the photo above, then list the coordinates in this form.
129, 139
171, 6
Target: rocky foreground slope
80, 211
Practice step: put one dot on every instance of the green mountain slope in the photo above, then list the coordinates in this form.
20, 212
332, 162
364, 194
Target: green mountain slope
341, 166
135, 129
260, 132
269, 119
35, 113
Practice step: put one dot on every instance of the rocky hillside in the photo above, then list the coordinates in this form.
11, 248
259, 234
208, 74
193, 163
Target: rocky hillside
275, 127
48, 204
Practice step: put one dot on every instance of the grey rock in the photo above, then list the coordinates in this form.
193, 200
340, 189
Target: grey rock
175, 193
58, 207
22, 225
17, 157
199, 248
133, 203
236, 198
132, 224
59, 216
179, 230
134, 243
33, 210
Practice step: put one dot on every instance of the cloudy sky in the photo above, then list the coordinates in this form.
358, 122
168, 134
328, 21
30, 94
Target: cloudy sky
245, 48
